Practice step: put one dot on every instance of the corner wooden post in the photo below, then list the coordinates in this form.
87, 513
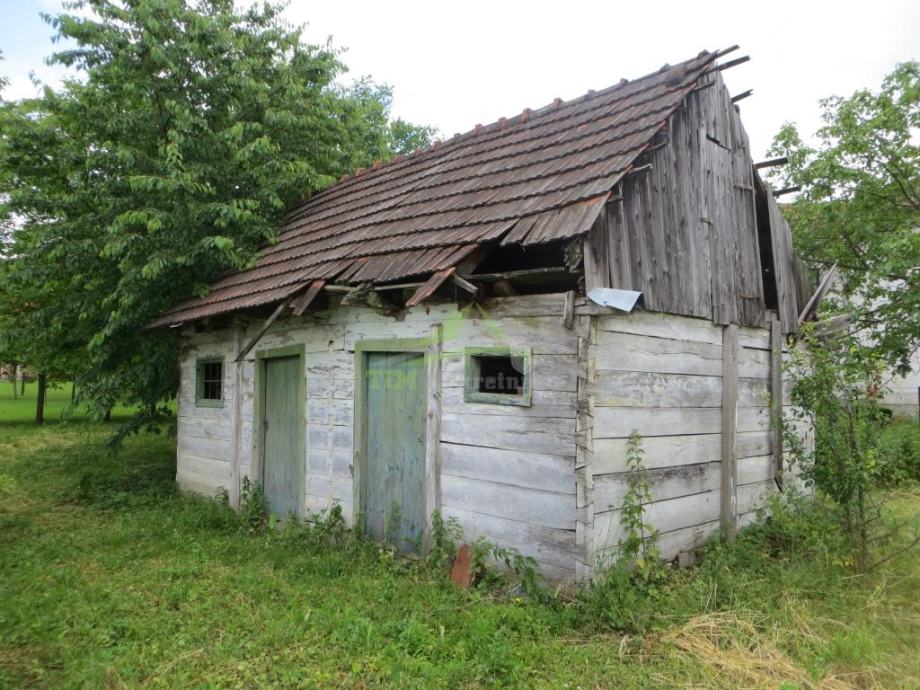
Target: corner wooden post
432, 433
234, 490
729, 431
776, 400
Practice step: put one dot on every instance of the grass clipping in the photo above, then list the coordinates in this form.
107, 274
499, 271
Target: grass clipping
738, 654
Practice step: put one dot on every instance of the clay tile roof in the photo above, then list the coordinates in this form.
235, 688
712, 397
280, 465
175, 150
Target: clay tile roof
534, 178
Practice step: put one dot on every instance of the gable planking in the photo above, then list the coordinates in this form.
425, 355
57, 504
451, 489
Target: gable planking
684, 230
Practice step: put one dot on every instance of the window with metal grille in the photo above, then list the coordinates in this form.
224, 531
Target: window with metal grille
210, 384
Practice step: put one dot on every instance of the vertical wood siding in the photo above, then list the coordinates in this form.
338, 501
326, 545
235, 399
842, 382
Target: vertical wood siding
684, 231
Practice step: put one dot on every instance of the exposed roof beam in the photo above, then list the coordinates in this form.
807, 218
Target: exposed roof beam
265, 326
430, 285
771, 162
299, 306
741, 96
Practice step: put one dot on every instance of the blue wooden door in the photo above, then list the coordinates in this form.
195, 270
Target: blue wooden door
394, 478
282, 422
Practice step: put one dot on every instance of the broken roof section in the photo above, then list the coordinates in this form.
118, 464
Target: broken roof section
538, 177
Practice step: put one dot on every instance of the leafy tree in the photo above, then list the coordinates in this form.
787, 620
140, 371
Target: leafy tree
191, 127
860, 205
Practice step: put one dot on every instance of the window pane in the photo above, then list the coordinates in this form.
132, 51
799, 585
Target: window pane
211, 384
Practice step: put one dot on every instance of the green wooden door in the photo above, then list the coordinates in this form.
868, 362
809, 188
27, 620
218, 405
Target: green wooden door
394, 479
282, 423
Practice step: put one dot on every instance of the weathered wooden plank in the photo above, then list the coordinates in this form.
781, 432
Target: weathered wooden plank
664, 484
753, 364
758, 468
546, 508
647, 389
554, 547
597, 255
519, 306
660, 451
754, 338
433, 459
525, 469
453, 401
753, 419
616, 422
192, 463
776, 395
686, 539
627, 352
542, 334
729, 477
219, 449
753, 496
753, 443
665, 516
659, 325
552, 436
217, 428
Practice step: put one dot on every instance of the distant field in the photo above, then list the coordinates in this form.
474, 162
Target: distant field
57, 404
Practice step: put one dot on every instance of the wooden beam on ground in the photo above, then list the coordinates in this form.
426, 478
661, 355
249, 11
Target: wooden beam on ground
262, 330
729, 479
299, 306
770, 163
776, 400
429, 286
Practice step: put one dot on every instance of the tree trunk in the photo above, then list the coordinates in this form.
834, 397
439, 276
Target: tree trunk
73, 392
40, 398
22, 380
108, 416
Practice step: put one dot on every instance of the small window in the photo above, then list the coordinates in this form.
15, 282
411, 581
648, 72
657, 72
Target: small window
210, 384
499, 376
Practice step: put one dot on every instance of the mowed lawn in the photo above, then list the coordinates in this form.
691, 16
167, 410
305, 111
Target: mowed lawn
110, 579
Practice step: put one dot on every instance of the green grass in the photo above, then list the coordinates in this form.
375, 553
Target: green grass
21, 408
109, 578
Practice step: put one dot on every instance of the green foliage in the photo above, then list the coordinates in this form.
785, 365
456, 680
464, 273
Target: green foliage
638, 549
253, 507
836, 387
860, 206
445, 538
524, 568
171, 158
622, 592
899, 454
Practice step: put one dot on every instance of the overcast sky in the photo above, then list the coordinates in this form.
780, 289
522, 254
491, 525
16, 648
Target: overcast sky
453, 65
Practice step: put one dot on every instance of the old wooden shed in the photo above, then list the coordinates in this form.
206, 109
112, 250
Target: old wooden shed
429, 334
